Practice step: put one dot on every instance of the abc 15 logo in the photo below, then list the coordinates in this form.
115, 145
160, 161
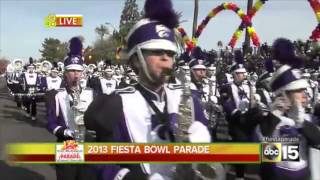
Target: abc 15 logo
277, 152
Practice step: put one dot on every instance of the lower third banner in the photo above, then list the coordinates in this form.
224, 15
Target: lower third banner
73, 152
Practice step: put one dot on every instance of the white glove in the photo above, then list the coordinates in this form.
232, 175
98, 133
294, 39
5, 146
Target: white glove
68, 133
214, 99
280, 103
198, 133
156, 176
297, 113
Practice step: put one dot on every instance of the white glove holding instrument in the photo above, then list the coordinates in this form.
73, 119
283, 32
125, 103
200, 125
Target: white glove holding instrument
297, 113
198, 133
68, 133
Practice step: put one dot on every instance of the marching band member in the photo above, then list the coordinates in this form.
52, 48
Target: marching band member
64, 106
107, 83
198, 73
53, 81
236, 97
287, 119
263, 88
117, 76
129, 79
31, 84
211, 74
145, 112
14, 81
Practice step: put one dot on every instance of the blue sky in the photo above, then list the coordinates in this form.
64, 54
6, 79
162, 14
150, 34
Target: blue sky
22, 30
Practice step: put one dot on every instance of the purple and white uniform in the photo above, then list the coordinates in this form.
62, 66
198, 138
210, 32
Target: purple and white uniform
127, 117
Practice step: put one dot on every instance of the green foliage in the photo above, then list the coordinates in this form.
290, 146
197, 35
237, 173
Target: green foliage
103, 50
53, 50
129, 16
102, 30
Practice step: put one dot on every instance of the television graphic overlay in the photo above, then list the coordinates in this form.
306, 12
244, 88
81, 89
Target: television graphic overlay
277, 152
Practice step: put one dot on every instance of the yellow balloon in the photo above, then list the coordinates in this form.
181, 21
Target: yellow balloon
240, 13
250, 30
194, 40
238, 34
258, 5
211, 14
225, 5
318, 16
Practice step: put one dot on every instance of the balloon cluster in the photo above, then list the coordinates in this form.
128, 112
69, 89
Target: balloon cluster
254, 37
189, 43
246, 23
315, 4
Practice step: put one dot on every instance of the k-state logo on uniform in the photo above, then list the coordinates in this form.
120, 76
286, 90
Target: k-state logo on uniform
277, 152
162, 31
75, 60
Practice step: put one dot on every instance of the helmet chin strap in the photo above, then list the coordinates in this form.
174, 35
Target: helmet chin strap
144, 65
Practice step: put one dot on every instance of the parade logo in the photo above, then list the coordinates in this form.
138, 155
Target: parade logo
63, 20
277, 152
69, 151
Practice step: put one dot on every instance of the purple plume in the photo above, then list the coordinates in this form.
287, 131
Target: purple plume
283, 51
75, 46
162, 11
238, 57
30, 60
268, 64
54, 64
197, 53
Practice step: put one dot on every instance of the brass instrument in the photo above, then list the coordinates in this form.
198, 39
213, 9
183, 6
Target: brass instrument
91, 68
210, 103
46, 67
315, 93
60, 65
79, 133
17, 65
28, 94
186, 115
38, 67
185, 119
252, 84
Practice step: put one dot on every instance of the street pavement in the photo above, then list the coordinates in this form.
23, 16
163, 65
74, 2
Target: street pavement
15, 127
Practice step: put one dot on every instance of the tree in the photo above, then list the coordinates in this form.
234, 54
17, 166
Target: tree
53, 50
3, 65
102, 50
102, 30
130, 15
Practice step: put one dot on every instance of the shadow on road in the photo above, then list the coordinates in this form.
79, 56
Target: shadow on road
17, 173
20, 116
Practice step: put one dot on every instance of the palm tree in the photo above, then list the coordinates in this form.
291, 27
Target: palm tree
101, 31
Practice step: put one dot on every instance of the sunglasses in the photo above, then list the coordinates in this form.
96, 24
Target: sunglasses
158, 52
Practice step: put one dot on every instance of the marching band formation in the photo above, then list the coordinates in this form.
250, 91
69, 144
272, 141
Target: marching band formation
161, 97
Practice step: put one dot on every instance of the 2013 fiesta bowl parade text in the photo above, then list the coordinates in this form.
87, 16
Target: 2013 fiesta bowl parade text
160, 90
